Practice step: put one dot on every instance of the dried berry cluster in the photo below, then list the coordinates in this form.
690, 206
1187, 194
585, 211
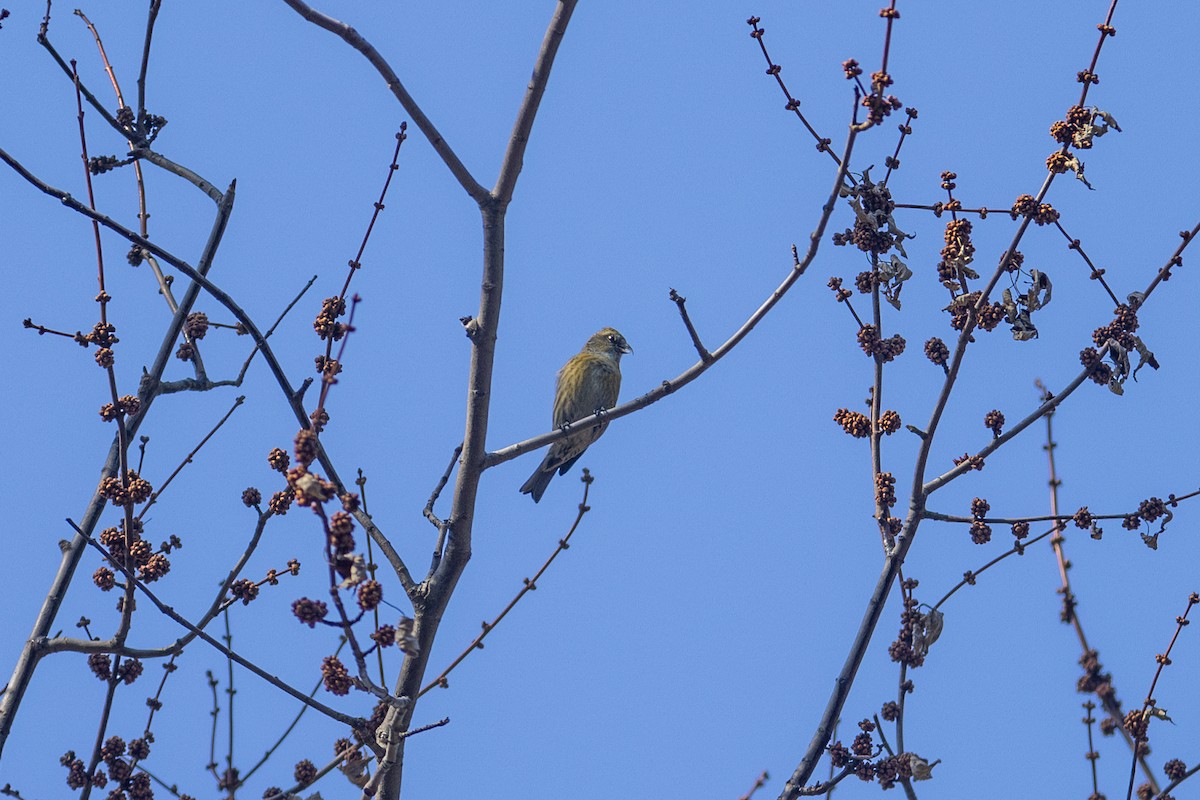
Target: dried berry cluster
326, 324
883, 349
310, 612
852, 422
994, 421
874, 230
127, 405
972, 462
1027, 206
842, 295
1098, 682
305, 772
885, 490
1120, 330
128, 670
957, 253
858, 759
196, 325
335, 676
134, 490
129, 548
911, 644
1101, 373
962, 309
937, 351
878, 104
1013, 261
1150, 510
981, 532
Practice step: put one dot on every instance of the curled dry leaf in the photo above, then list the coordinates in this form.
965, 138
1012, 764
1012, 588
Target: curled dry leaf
1121, 369
1159, 713
358, 573
1038, 295
892, 275
922, 770
1145, 356
405, 638
313, 488
1075, 165
933, 625
355, 770
1101, 123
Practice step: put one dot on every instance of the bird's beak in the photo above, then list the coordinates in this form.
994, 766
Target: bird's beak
626, 349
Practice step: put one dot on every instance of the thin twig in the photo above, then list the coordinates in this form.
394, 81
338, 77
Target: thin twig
1097, 274
1163, 659
893, 163
529, 585
437, 490
681, 302
442, 526
372, 567
42, 330
188, 458
242, 778
971, 575
271, 330
1108, 699
170, 612
759, 782
793, 104
1092, 756
938, 208
151, 17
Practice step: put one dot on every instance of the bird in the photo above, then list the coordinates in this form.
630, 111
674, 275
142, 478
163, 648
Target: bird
588, 383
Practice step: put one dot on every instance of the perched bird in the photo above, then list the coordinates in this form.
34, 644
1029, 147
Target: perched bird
587, 383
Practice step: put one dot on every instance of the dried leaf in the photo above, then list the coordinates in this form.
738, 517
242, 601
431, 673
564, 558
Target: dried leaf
1145, 356
922, 770
1010, 306
1100, 123
1159, 713
1109, 122
405, 638
1038, 295
893, 274
962, 302
1023, 328
358, 573
933, 626
1121, 369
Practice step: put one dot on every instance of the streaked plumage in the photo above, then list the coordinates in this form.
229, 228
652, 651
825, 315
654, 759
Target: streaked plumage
590, 381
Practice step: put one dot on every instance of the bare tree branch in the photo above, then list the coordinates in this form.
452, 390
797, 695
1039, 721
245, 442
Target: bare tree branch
440, 145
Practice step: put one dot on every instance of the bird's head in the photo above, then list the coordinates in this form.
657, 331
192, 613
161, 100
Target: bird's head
609, 342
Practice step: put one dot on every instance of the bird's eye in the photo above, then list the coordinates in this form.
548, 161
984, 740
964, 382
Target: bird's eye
612, 339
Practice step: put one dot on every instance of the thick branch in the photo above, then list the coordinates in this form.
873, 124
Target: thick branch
514, 156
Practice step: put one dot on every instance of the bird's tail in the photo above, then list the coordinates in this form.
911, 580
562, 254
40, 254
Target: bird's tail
538, 481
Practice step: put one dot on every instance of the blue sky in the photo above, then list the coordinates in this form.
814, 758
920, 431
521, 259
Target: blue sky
688, 639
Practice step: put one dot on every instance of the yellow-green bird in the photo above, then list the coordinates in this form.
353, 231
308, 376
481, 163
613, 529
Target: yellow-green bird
587, 383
